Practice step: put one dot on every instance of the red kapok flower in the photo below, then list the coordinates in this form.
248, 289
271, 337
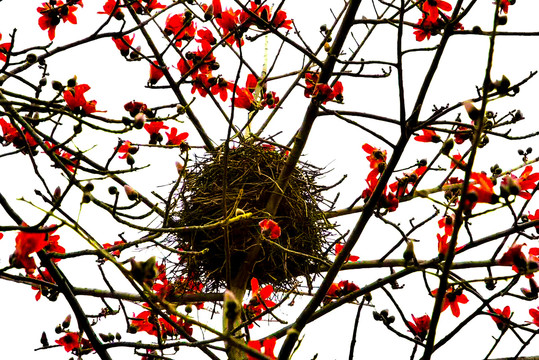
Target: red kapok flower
154, 127
514, 256
503, 318
259, 299
123, 44
27, 243
504, 5
338, 249
155, 73
108, 9
114, 252
527, 181
72, 341
337, 290
4, 49
74, 97
135, 107
267, 344
535, 315
176, 139
420, 327
428, 136
270, 227
433, 7
10, 132
222, 87
481, 190
452, 299
244, 99
447, 224
51, 16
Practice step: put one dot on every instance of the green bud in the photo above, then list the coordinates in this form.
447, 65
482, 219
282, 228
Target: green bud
56, 85
31, 58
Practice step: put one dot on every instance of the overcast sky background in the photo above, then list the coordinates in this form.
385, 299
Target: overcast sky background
333, 144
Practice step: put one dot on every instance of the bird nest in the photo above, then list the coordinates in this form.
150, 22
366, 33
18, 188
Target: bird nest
250, 179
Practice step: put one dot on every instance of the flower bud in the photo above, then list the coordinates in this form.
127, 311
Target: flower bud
86, 198
140, 119
130, 160
113, 190
132, 329
188, 308
43, 81
66, 322
88, 187
447, 146
44, 340
131, 193
56, 85
231, 306
408, 254
77, 129
72, 82
57, 193
473, 112
31, 58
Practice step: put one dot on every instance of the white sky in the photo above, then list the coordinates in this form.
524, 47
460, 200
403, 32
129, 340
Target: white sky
335, 144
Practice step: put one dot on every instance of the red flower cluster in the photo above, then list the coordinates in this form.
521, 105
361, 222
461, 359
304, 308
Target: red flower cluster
279, 20
426, 28
237, 22
181, 27
12, 136
271, 228
267, 344
27, 243
149, 323
52, 14
377, 161
4, 49
420, 327
260, 301
452, 299
336, 290
75, 100
322, 92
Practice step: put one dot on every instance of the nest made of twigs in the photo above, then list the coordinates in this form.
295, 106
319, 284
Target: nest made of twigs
251, 174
